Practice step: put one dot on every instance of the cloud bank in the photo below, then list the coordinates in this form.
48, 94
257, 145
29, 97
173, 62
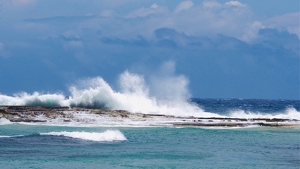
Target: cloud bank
223, 49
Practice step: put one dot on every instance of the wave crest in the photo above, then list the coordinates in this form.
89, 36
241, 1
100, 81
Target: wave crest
289, 113
134, 96
108, 135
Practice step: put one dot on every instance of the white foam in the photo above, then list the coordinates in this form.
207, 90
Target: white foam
87, 119
36, 98
134, 96
4, 121
5, 136
109, 135
290, 113
164, 94
232, 128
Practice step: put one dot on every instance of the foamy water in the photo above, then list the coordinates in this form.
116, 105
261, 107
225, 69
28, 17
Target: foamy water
108, 135
11, 136
290, 113
134, 96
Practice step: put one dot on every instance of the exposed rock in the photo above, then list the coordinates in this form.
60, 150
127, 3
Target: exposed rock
31, 114
25, 120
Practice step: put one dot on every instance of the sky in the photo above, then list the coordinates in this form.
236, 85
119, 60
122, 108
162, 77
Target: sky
220, 48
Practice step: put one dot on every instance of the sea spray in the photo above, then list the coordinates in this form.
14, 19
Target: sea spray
92, 92
166, 85
289, 113
35, 99
135, 95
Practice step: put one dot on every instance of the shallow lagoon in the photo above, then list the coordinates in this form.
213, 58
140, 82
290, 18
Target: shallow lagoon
24, 146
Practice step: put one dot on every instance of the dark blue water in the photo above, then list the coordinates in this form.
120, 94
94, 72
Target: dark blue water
224, 106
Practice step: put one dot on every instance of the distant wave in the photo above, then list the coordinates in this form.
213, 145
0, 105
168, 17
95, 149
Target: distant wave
108, 135
290, 113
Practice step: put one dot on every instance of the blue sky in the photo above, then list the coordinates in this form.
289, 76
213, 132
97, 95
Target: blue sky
225, 49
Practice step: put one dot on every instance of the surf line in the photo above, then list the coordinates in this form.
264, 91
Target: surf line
41, 114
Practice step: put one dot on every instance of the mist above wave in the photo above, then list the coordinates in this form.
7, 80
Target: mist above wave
164, 94
289, 113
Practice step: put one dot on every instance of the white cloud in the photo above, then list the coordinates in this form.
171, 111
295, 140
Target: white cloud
209, 18
251, 31
212, 17
142, 12
234, 3
206, 19
185, 5
211, 4
289, 22
154, 6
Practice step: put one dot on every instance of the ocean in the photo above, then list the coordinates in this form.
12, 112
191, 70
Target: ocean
87, 140
42, 145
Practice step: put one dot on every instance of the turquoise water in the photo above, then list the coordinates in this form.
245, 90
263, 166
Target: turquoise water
34, 145
25, 146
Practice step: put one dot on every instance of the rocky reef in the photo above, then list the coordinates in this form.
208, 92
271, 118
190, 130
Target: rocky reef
40, 114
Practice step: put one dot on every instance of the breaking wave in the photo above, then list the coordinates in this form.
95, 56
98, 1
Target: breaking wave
169, 97
165, 94
108, 135
290, 113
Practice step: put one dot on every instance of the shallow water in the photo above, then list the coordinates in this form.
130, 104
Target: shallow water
82, 145
150, 147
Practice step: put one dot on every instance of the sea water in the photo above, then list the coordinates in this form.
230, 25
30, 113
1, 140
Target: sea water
26, 146
146, 145
29, 145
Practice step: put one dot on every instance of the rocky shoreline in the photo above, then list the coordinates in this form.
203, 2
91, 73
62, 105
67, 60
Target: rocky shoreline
41, 114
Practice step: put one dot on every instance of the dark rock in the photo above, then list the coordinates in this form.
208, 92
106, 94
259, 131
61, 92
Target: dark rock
29, 113
25, 120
